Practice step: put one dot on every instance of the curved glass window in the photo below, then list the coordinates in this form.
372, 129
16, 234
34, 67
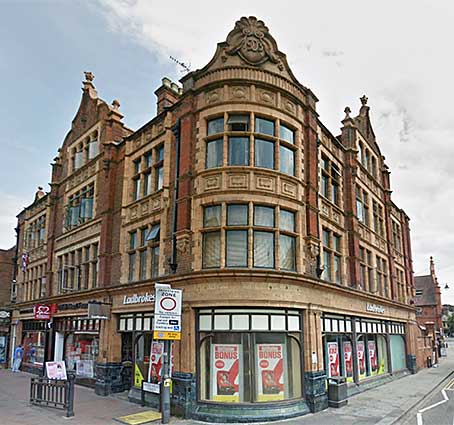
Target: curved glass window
258, 364
264, 153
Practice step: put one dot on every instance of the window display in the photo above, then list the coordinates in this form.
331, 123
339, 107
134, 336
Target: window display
81, 351
262, 363
33, 343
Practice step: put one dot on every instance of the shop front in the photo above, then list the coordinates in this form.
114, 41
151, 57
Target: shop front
77, 343
5, 317
249, 360
359, 349
33, 341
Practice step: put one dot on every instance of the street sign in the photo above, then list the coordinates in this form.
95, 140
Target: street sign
167, 301
170, 323
173, 336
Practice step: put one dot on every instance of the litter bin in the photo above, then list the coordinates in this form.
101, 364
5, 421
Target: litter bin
337, 392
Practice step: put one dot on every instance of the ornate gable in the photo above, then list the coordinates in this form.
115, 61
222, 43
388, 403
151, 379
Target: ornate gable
364, 124
248, 45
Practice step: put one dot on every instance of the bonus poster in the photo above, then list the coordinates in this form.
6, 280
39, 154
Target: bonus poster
348, 360
333, 359
225, 372
372, 357
270, 372
361, 359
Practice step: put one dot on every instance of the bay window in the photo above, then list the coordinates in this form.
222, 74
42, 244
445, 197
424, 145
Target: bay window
264, 241
79, 208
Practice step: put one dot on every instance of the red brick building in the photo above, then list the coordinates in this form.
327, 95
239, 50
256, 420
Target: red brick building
428, 302
6, 282
294, 261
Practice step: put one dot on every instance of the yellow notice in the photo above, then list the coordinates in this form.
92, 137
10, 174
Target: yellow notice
139, 418
227, 398
167, 335
138, 377
270, 397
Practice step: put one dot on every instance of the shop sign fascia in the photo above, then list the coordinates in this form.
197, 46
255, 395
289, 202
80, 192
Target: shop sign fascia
374, 308
98, 310
138, 299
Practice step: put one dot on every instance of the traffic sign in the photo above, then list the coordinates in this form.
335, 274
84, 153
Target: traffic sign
167, 301
166, 335
170, 323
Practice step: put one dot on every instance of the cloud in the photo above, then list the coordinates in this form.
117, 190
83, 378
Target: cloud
405, 72
8, 221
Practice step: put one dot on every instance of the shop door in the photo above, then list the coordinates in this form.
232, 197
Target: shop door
142, 347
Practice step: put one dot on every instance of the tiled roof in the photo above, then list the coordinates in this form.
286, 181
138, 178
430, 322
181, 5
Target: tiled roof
427, 285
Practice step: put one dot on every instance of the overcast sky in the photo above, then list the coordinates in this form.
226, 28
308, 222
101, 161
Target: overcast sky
397, 53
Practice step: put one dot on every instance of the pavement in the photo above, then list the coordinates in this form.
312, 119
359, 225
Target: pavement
394, 403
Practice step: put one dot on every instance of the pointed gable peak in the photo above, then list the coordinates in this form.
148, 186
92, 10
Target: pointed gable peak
363, 121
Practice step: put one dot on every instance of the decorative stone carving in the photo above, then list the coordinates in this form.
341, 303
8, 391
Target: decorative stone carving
144, 208
250, 39
266, 96
288, 189
213, 96
239, 92
183, 244
265, 183
156, 203
238, 181
312, 251
213, 182
133, 212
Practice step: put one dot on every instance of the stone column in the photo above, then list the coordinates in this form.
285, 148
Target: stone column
314, 373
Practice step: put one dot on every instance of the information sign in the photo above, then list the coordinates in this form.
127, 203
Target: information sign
167, 335
167, 301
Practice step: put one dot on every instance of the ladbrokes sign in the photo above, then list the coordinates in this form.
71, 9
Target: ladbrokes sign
41, 312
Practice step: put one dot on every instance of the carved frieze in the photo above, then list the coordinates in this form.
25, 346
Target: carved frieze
239, 93
266, 183
212, 182
266, 96
288, 189
237, 181
213, 96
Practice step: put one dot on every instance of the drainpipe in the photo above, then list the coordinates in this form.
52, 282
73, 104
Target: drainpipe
173, 259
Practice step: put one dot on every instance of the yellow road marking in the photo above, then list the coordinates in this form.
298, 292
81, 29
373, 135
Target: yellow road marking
139, 418
450, 385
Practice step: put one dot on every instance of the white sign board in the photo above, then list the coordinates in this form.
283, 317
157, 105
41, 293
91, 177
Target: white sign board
170, 322
167, 301
56, 370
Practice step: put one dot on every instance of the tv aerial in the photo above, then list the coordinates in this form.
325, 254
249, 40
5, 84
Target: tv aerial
184, 67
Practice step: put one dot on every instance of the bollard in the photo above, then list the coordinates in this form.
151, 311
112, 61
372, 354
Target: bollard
70, 395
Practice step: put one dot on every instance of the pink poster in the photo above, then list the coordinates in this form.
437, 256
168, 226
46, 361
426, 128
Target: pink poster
225, 371
372, 355
333, 359
361, 359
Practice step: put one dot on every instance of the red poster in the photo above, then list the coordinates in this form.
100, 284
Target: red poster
270, 367
333, 359
154, 373
225, 364
361, 359
372, 355
348, 359
41, 312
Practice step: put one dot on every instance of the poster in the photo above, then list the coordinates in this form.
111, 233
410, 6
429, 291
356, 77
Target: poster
56, 370
225, 372
348, 360
2, 349
84, 368
372, 357
270, 372
155, 369
361, 359
333, 359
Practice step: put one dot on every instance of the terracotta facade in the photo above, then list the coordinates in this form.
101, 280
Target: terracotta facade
239, 195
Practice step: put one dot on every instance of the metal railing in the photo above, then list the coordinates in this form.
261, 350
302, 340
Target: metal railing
53, 393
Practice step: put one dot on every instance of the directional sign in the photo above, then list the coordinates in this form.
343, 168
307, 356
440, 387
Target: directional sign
166, 335
171, 323
168, 301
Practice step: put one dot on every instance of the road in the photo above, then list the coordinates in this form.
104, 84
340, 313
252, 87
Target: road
437, 408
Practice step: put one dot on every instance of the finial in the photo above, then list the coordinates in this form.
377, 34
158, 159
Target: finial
347, 111
40, 188
89, 76
364, 100
116, 104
